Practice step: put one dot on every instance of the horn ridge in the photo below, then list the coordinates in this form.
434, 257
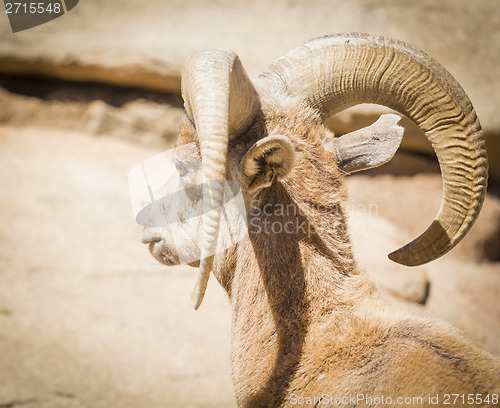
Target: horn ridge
221, 101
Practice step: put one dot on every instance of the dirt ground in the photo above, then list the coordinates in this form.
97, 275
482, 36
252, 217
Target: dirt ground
87, 316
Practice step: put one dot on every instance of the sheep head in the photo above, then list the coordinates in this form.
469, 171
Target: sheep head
240, 131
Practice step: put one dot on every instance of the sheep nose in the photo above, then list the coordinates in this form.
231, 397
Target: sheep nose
149, 236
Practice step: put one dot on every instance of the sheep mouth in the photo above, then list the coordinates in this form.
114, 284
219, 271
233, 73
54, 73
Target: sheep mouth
162, 253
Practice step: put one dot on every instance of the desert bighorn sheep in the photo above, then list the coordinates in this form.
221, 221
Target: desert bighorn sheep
308, 326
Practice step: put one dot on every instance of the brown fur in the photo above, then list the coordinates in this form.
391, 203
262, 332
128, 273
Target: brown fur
306, 320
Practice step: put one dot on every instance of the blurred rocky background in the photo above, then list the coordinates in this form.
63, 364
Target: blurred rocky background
87, 318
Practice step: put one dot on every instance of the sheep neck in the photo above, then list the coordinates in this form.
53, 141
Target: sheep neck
285, 283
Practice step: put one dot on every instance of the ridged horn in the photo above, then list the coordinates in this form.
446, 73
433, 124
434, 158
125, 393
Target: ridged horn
221, 101
336, 72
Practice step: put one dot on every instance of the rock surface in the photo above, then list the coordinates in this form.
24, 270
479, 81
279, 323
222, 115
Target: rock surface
126, 42
87, 317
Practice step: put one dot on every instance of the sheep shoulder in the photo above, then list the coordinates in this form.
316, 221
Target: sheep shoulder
387, 353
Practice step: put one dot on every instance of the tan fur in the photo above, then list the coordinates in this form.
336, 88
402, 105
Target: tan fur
307, 322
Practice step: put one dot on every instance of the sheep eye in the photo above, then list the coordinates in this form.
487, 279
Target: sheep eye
181, 169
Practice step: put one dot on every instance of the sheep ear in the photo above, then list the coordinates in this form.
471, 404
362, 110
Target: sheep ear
270, 158
369, 147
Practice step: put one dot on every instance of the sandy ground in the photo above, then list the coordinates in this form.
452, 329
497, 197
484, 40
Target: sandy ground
88, 319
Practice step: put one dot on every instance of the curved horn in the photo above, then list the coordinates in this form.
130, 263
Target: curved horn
337, 72
221, 102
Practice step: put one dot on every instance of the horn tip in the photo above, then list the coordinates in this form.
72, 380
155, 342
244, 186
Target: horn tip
401, 257
202, 281
196, 299
198, 293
